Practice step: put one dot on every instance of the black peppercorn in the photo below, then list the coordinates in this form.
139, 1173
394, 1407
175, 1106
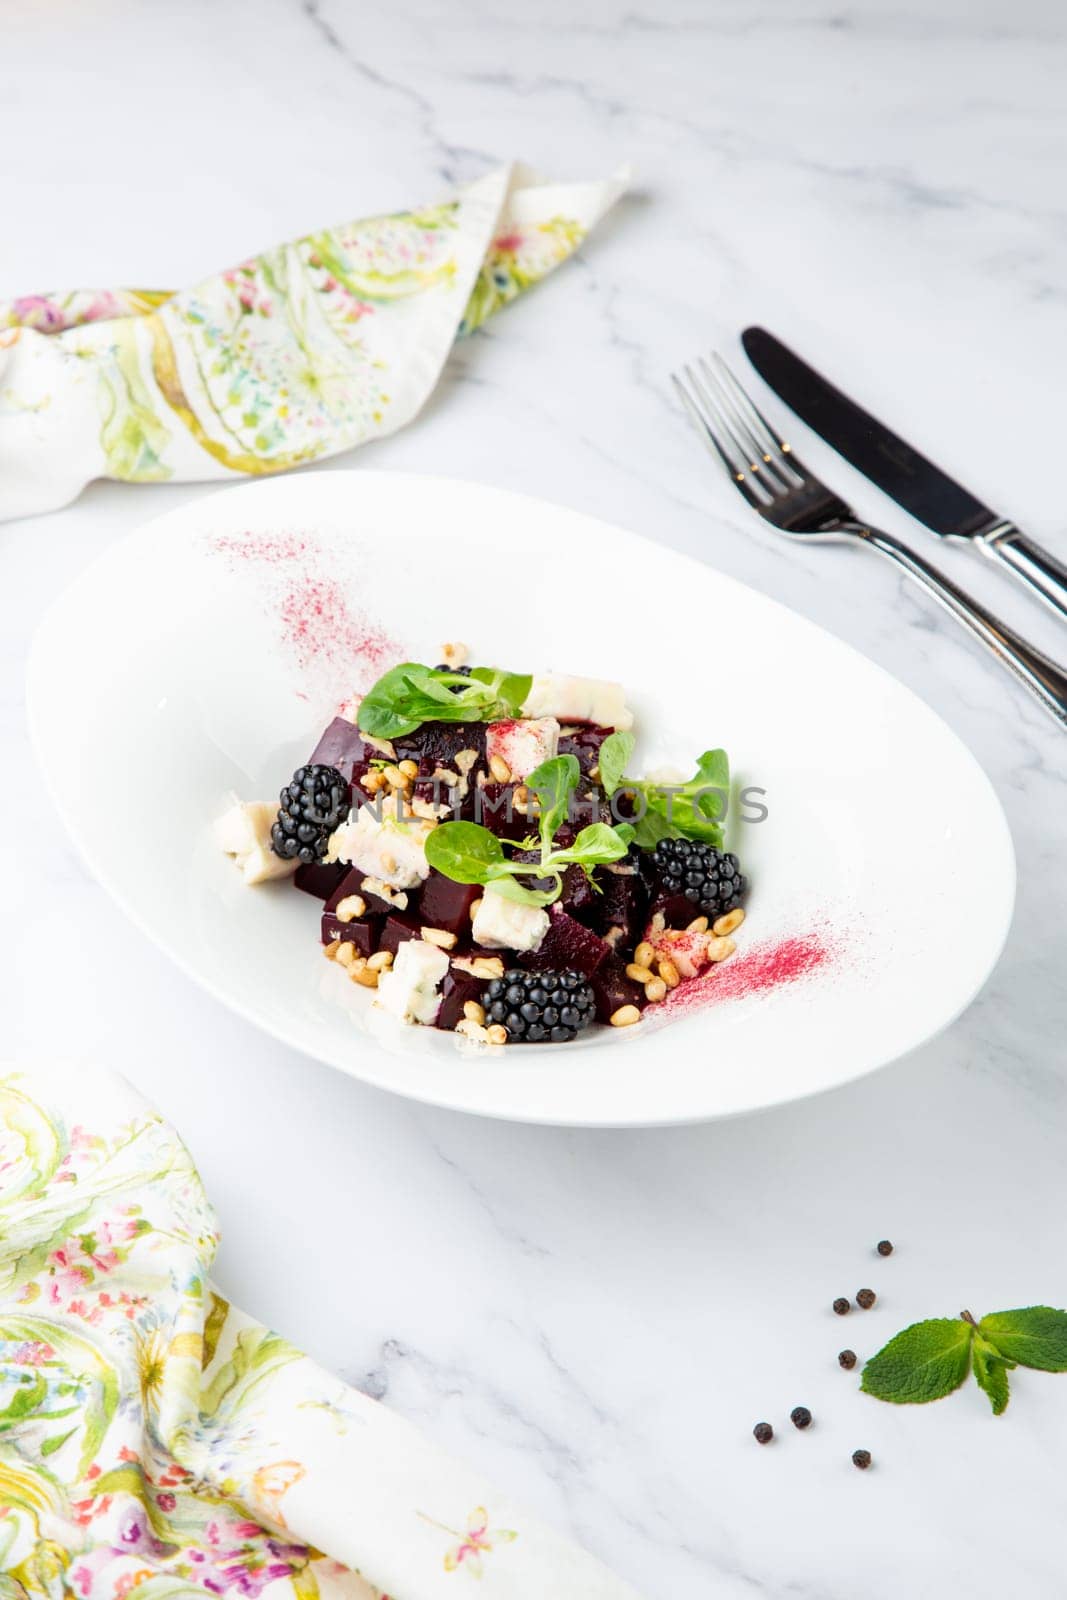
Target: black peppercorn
866, 1298
842, 1306
800, 1417
884, 1247
861, 1459
763, 1433
847, 1358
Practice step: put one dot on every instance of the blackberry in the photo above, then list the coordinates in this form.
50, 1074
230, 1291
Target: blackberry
540, 1007
313, 804
708, 878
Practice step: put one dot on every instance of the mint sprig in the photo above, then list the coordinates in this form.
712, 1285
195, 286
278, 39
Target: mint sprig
931, 1359
694, 809
410, 694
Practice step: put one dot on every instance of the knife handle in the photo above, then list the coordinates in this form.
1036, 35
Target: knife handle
1046, 681
1039, 570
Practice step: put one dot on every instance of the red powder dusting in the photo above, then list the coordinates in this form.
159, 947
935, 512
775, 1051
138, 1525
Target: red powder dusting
754, 972
319, 626
267, 548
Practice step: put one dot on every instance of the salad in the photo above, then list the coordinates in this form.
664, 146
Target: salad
487, 861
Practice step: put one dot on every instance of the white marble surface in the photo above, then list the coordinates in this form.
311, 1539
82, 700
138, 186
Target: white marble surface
598, 1320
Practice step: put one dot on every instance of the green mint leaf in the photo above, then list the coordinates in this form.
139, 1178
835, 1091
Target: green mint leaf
553, 782
410, 694
509, 689
1035, 1336
506, 884
379, 710
614, 758
695, 809
991, 1373
925, 1362
463, 851
650, 829
594, 846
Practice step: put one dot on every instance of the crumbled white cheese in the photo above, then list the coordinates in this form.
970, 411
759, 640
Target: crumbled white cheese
502, 924
409, 989
688, 951
523, 744
244, 833
390, 847
578, 700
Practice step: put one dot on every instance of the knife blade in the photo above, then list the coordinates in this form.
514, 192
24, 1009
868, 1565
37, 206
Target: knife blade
901, 471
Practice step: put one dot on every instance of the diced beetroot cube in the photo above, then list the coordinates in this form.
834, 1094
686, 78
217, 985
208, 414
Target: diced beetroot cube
342, 746
436, 744
584, 743
354, 882
494, 807
622, 903
397, 927
458, 987
320, 878
447, 905
579, 898
362, 932
566, 944
614, 989
675, 909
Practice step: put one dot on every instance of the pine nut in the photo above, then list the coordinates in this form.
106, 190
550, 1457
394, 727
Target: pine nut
380, 961
346, 955
410, 769
330, 950
655, 990
496, 1033
353, 905
367, 976
372, 781
471, 1030
728, 923
669, 973
440, 937
644, 955
474, 1012
475, 906
698, 925
499, 769
454, 653
394, 777
658, 923
638, 972
487, 967
625, 1017
719, 949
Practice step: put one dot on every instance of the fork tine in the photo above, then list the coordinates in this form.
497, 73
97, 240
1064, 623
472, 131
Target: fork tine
771, 446
769, 465
719, 401
701, 416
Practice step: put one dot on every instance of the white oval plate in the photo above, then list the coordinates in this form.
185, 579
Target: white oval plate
206, 652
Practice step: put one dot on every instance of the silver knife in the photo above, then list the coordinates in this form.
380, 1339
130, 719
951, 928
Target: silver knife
905, 475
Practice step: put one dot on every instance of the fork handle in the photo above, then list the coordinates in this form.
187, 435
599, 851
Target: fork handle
1046, 681
1038, 569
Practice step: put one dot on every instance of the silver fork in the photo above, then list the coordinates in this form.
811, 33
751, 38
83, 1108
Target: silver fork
792, 499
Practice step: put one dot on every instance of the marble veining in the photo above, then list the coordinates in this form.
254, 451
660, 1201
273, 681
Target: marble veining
599, 1319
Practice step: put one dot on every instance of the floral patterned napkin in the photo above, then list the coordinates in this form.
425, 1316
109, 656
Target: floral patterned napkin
293, 355
156, 1444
